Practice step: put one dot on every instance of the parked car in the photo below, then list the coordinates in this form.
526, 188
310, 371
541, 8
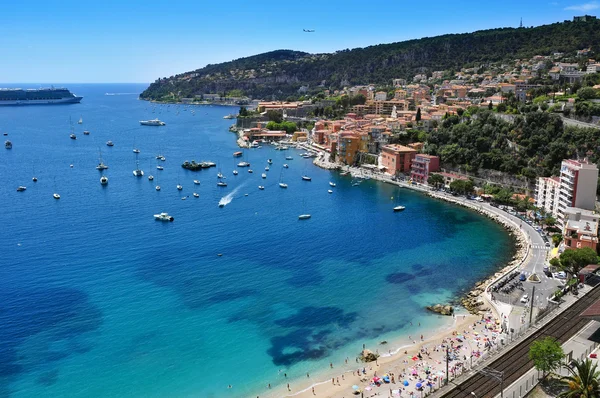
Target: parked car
522, 277
525, 298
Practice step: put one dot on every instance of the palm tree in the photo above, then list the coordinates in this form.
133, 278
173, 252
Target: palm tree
583, 382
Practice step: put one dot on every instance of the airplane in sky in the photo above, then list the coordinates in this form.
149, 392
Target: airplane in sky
308, 30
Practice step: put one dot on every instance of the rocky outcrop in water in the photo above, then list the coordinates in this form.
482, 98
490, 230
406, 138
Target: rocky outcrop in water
442, 309
368, 356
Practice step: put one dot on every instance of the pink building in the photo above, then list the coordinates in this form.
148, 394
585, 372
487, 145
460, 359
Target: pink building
422, 165
397, 158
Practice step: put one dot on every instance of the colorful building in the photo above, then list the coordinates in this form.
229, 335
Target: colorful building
422, 165
397, 158
581, 228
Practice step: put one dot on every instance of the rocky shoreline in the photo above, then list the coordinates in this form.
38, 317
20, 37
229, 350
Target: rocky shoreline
472, 300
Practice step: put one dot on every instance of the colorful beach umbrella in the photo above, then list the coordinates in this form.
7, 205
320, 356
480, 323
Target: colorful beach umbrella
405, 383
355, 387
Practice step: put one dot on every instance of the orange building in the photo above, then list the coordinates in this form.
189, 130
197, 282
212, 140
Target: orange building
397, 158
581, 228
349, 146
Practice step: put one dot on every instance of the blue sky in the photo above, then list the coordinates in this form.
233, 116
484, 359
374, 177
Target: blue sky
137, 41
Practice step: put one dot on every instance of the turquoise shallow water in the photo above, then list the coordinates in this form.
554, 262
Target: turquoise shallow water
99, 300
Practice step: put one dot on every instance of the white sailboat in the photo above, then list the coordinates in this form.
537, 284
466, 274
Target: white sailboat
80, 120
101, 166
137, 172
304, 216
281, 183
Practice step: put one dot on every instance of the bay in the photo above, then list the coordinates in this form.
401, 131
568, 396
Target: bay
98, 299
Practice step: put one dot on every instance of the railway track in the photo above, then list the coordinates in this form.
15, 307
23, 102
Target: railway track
515, 363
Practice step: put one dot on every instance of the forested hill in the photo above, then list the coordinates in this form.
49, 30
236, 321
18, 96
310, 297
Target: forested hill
282, 72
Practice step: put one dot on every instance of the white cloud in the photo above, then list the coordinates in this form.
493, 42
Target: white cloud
585, 7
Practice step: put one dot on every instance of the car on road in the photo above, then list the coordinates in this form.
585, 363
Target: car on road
560, 275
547, 244
522, 277
525, 298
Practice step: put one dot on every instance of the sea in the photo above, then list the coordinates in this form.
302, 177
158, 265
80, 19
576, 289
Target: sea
98, 299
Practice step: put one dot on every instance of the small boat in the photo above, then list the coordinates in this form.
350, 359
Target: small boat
7, 144
196, 195
263, 175
288, 158
356, 184
86, 132
104, 180
158, 187
267, 168
250, 171
285, 165
159, 167
219, 175
243, 164
163, 217
261, 187
196, 182
153, 122
34, 179
71, 165
270, 161
344, 173
237, 154
150, 177
159, 157
221, 184
101, 166
332, 184
329, 191
80, 120
235, 172
137, 172
21, 188
184, 197
399, 208
162, 158
179, 187
304, 216
109, 143
283, 185
135, 150
306, 178
56, 196
230, 116
73, 136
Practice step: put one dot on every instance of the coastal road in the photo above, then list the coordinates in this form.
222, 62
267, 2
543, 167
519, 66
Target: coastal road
515, 362
577, 123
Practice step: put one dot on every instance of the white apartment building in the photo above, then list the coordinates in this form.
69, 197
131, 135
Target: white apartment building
546, 194
575, 187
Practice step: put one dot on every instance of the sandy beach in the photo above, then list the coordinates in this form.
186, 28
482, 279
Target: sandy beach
421, 364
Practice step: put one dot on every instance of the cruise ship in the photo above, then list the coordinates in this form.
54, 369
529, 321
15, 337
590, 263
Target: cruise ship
42, 96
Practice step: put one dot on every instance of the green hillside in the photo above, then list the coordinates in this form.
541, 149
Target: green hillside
281, 73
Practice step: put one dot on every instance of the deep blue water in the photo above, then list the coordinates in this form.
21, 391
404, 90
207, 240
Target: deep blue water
98, 299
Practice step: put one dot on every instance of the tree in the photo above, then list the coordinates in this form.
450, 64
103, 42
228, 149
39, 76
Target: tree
587, 93
546, 355
556, 239
274, 116
490, 105
435, 180
573, 260
502, 107
243, 111
418, 116
583, 381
